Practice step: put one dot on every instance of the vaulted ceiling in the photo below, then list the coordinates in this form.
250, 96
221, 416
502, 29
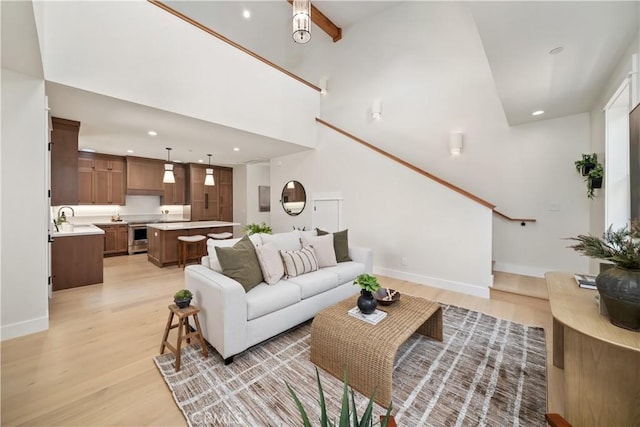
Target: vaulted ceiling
517, 38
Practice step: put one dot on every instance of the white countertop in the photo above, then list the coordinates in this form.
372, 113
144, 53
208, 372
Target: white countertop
78, 230
191, 225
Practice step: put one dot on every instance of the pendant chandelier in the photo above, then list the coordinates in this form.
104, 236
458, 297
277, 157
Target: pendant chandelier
208, 179
168, 177
301, 21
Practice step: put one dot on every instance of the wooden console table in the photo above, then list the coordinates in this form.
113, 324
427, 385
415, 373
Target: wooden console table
601, 361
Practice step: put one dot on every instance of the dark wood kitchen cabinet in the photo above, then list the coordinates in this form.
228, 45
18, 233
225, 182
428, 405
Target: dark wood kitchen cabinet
64, 161
226, 194
174, 194
210, 203
101, 179
144, 176
76, 261
115, 239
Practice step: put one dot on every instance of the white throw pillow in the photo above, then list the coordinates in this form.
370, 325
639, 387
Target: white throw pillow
289, 241
323, 248
270, 263
299, 262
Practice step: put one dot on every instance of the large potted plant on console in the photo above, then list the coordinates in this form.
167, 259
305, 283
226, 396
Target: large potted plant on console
619, 286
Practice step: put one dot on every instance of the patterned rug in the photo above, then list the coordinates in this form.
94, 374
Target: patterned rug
487, 371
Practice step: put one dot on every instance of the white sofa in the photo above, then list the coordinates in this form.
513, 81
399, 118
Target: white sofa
233, 320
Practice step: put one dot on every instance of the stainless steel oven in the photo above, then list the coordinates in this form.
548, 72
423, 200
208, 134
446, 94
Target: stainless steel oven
137, 238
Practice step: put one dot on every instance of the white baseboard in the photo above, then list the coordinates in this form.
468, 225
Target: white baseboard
465, 288
26, 327
523, 270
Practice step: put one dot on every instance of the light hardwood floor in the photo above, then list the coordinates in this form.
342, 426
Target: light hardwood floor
94, 366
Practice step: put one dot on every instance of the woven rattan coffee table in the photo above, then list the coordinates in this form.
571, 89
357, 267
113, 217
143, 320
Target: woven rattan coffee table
339, 341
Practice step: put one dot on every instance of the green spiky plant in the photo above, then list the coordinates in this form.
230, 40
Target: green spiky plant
367, 282
621, 247
348, 414
257, 228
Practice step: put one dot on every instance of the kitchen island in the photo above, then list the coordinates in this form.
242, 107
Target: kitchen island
76, 256
162, 238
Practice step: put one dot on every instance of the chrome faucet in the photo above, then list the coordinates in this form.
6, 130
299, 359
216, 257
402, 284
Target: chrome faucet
73, 213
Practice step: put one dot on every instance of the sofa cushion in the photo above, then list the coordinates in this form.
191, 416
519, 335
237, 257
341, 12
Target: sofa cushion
323, 248
340, 244
270, 263
214, 264
265, 299
289, 241
299, 262
347, 271
316, 282
241, 263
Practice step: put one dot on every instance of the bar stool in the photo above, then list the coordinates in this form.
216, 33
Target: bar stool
184, 242
183, 331
220, 236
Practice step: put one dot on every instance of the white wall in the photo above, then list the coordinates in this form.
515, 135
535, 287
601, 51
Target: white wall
257, 175
539, 180
597, 121
23, 230
445, 237
132, 50
239, 197
440, 82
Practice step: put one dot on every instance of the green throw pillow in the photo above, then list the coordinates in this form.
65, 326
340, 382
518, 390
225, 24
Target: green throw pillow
340, 244
240, 263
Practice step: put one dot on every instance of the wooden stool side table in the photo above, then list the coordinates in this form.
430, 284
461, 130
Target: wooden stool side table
183, 331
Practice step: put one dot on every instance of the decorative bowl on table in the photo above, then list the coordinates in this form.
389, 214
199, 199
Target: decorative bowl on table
386, 296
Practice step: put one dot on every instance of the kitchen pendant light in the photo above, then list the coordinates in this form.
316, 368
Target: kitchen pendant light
168, 177
301, 21
208, 179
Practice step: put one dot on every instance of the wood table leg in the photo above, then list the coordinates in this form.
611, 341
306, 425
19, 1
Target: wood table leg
205, 352
165, 336
558, 344
179, 345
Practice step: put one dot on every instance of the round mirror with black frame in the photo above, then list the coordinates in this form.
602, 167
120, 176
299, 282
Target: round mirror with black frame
294, 198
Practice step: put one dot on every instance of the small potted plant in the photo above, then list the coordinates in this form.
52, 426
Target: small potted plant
588, 162
182, 298
257, 228
368, 284
594, 179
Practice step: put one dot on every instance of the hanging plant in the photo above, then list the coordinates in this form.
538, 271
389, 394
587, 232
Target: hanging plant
594, 179
586, 164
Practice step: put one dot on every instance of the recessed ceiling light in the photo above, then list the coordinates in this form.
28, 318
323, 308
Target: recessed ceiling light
246, 14
236, 149
130, 151
200, 161
88, 150
537, 112
178, 161
152, 133
556, 50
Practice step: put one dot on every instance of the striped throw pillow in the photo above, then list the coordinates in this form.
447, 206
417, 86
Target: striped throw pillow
299, 262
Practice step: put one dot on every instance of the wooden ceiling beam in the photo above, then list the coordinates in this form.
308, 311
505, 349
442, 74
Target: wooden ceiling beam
324, 23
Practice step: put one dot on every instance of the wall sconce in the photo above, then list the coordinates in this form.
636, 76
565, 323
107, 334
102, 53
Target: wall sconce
455, 143
209, 180
301, 21
168, 177
376, 109
323, 85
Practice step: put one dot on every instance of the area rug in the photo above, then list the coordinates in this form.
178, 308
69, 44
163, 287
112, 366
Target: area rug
487, 371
